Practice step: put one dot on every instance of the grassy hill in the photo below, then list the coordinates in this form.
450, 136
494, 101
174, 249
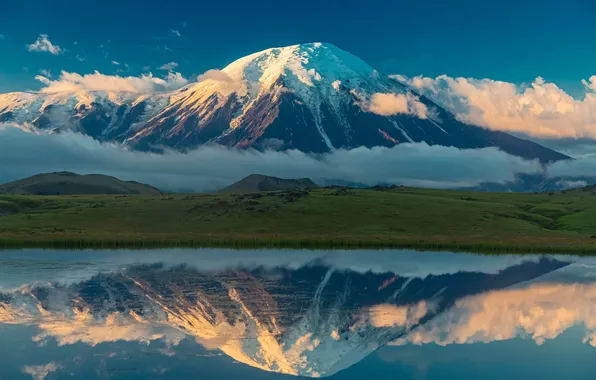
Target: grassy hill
259, 182
339, 217
66, 183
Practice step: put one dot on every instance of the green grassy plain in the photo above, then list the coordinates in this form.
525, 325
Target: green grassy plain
322, 218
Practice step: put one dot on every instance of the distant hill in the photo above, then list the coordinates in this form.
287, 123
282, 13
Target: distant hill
66, 183
258, 182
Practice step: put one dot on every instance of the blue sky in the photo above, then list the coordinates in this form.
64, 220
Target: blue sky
514, 41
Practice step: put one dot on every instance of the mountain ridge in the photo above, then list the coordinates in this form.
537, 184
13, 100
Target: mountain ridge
311, 97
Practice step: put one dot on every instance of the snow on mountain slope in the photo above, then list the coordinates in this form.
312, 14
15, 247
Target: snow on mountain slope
312, 97
307, 88
99, 114
315, 73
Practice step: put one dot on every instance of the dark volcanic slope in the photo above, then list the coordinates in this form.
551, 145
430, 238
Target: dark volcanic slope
65, 183
282, 121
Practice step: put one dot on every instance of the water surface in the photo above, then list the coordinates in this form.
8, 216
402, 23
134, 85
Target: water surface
272, 314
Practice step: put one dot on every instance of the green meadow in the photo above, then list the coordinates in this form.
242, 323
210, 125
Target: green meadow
563, 222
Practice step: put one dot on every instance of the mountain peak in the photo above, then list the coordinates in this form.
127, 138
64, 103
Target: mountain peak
307, 63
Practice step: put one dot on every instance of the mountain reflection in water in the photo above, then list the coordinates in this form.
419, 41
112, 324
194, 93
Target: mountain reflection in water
312, 315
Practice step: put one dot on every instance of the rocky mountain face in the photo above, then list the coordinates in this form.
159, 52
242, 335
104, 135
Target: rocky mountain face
311, 97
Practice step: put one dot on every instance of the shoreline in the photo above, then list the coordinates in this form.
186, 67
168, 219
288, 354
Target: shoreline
321, 244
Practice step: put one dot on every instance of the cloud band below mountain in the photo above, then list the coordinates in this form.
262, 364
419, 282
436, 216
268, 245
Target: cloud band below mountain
213, 167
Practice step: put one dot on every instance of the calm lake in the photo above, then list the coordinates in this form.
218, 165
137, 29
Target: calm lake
273, 314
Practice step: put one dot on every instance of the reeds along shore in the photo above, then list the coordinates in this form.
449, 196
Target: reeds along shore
247, 244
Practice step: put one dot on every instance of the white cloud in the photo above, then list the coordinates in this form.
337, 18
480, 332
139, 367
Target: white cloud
407, 164
388, 104
175, 80
541, 109
43, 79
145, 84
590, 83
387, 315
175, 32
169, 66
43, 44
40, 372
226, 84
114, 327
115, 63
580, 167
541, 311
564, 184
392, 104
216, 75
46, 73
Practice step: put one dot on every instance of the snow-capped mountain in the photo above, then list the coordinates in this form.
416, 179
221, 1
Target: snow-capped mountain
311, 321
312, 97
98, 114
